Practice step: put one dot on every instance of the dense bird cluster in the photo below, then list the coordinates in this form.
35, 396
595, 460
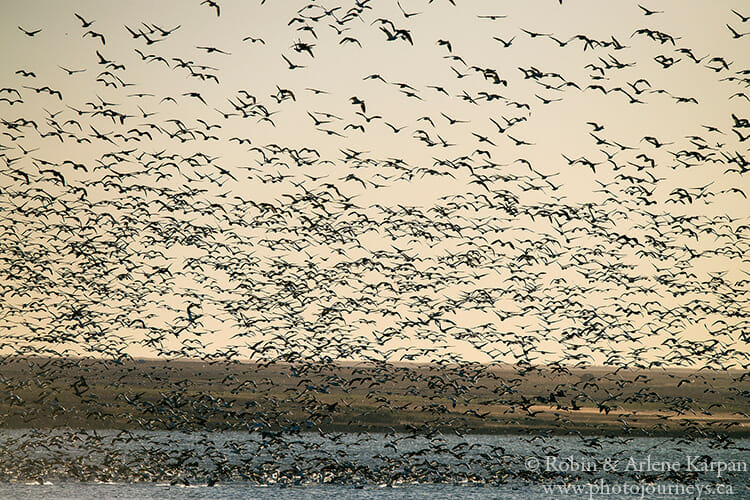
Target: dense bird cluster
155, 203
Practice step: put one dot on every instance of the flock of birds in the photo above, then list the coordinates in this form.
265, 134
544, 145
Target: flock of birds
137, 223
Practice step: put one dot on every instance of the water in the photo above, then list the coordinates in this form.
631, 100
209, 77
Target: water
123, 491
237, 491
235, 465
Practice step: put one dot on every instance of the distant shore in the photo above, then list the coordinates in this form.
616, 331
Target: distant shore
361, 397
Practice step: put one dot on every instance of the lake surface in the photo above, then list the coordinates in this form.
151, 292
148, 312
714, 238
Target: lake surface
235, 465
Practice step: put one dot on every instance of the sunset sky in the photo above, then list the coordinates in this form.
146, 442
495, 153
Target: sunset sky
632, 117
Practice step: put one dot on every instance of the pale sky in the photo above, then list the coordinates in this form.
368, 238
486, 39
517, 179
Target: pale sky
427, 139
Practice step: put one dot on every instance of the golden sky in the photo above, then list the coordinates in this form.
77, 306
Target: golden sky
414, 180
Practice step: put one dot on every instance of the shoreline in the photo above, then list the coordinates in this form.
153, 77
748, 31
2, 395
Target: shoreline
87, 393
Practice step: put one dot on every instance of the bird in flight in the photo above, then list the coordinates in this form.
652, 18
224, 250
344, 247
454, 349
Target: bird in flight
215, 5
211, 50
30, 33
735, 34
505, 43
744, 19
254, 40
647, 12
84, 22
71, 71
290, 63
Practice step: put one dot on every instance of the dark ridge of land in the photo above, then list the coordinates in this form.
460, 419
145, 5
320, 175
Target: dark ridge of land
326, 397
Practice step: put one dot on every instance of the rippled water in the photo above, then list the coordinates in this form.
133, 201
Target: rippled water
235, 465
138, 491
236, 491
